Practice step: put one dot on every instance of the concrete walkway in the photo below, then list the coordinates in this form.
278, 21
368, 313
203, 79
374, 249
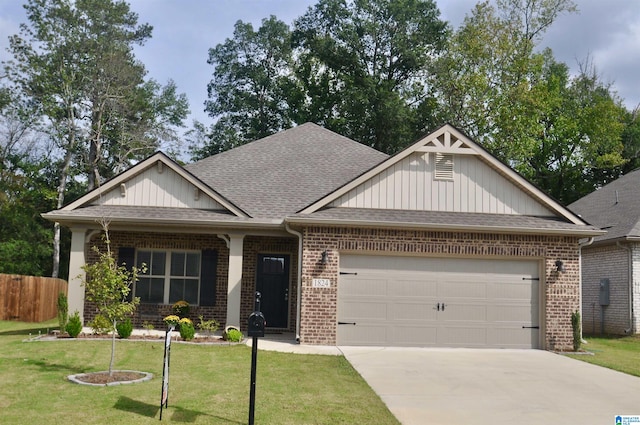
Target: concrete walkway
484, 387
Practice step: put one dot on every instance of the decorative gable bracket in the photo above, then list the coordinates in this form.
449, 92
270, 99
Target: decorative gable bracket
447, 143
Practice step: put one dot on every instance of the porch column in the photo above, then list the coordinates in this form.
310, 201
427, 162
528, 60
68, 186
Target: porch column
234, 285
75, 292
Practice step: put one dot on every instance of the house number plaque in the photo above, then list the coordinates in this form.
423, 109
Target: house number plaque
321, 283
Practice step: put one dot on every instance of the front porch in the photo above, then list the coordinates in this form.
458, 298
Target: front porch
230, 268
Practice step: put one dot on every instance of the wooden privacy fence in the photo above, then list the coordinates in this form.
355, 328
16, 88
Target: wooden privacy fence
29, 298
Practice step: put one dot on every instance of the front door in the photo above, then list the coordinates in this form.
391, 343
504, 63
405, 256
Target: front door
273, 283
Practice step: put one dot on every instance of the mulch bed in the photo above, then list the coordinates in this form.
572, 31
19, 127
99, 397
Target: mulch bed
103, 378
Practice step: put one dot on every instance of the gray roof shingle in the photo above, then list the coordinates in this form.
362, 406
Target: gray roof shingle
614, 207
283, 173
446, 220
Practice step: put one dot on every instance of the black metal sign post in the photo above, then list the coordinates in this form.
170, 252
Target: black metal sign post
164, 397
255, 330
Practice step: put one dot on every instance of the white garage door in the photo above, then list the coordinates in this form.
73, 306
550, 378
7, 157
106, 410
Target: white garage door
410, 301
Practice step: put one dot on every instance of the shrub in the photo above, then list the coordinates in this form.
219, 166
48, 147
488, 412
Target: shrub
74, 325
208, 326
187, 331
233, 335
181, 309
101, 325
124, 328
63, 310
577, 331
171, 320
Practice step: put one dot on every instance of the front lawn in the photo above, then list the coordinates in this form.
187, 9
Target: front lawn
618, 353
208, 384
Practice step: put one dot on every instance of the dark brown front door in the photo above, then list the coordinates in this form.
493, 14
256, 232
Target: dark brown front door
273, 283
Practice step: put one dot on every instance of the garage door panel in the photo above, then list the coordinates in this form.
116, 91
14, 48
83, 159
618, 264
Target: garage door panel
513, 337
365, 311
413, 336
509, 313
462, 336
486, 302
363, 334
463, 313
365, 286
404, 311
412, 288
457, 288
512, 290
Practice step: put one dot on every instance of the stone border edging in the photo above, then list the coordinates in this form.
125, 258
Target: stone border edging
147, 377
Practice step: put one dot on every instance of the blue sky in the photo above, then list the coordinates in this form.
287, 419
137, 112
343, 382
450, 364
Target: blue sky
184, 30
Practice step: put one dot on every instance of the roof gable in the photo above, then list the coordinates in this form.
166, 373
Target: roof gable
156, 182
480, 183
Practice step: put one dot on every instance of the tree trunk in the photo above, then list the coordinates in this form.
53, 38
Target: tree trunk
62, 186
113, 347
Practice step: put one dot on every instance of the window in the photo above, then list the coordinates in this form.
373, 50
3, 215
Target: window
170, 276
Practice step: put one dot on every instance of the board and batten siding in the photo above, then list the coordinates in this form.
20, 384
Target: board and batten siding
410, 184
159, 189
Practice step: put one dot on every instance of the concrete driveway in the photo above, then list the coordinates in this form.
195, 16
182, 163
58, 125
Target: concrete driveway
464, 386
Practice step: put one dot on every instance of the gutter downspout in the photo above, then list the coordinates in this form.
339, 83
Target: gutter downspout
629, 285
580, 246
299, 291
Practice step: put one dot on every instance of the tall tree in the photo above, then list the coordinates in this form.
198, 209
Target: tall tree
484, 77
363, 64
75, 60
574, 141
561, 132
253, 88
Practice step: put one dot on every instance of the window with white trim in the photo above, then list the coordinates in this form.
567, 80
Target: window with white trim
170, 276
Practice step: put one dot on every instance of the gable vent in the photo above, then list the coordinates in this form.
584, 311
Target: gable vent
444, 166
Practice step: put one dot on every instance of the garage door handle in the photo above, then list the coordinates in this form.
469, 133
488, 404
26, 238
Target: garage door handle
347, 323
531, 327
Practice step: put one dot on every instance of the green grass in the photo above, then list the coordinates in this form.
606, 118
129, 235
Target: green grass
208, 384
618, 353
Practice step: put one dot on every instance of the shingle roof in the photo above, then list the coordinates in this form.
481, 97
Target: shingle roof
614, 207
444, 220
280, 174
154, 215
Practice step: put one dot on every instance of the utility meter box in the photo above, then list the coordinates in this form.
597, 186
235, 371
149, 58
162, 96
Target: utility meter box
257, 323
604, 292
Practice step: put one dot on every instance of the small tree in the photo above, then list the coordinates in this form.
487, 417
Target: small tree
108, 285
577, 330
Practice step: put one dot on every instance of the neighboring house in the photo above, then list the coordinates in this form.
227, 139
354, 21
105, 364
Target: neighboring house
439, 245
611, 264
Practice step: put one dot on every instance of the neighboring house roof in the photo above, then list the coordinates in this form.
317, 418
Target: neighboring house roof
614, 208
283, 173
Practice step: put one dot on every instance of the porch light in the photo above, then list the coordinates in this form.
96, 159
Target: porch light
560, 266
325, 257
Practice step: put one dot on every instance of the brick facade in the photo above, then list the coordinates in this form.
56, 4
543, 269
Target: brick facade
621, 265
253, 245
318, 305
561, 290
